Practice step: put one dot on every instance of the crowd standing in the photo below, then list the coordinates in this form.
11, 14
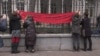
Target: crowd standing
81, 28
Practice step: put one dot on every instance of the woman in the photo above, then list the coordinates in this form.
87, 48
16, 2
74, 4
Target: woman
76, 31
30, 35
86, 32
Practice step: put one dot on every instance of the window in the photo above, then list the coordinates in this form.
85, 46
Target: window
43, 8
5, 7
67, 6
53, 8
20, 4
65, 9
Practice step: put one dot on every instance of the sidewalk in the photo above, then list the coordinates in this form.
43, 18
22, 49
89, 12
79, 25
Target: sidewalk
54, 53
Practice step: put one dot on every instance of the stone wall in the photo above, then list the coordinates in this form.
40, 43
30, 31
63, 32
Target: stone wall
49, 42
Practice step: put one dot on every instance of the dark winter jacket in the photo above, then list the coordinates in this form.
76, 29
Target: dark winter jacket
76, 20
30, 33
14, 22
86, 26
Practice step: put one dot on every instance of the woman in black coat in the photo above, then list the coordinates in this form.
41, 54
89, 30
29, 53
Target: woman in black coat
30, 34
86, 32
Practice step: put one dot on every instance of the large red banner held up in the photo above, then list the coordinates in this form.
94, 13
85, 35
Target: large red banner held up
49, 18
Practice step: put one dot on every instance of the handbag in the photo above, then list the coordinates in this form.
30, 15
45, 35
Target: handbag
1, 42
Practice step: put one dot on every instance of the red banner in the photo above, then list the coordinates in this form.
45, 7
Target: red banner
49, 18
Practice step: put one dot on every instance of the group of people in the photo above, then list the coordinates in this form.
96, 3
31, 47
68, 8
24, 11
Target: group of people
81, 28
15, 31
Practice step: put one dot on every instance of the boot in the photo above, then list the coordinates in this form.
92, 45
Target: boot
32, 50
16, 48
15, 45
89, 49
13, 48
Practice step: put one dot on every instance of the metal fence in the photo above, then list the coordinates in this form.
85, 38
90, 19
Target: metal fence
52, 6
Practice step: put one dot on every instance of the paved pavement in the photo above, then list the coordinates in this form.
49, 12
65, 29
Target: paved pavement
54, 53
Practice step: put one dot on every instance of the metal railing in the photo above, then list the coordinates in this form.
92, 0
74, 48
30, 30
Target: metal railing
92, 6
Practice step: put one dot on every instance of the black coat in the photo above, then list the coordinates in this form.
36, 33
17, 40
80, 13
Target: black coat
86, 26
30, 35
14, 22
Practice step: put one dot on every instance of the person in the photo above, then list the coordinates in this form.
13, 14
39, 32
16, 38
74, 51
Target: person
76, 31
15, 28
30, 36
3, 27
1, 40
86, 32
98, 24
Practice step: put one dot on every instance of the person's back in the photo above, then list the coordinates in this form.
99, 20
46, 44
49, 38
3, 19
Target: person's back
15, 23
86, 30
15, 30
76, 31
30, 34
76, 24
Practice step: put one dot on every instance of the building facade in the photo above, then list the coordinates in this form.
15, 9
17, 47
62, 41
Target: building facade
52, 6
